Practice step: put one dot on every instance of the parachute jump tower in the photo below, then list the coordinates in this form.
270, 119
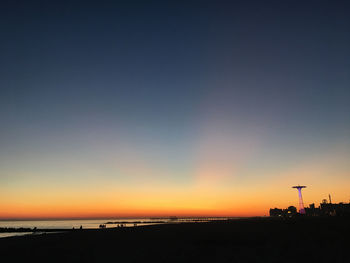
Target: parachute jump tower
301, 203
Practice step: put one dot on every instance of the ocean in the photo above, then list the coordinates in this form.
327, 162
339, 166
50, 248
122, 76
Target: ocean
89, 223
76, 223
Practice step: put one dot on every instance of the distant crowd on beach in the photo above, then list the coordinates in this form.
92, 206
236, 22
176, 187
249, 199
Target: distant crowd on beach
118, 225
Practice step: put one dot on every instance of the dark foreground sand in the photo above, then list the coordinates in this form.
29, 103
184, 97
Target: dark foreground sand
249, 240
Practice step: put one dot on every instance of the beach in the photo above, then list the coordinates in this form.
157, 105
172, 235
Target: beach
245, 240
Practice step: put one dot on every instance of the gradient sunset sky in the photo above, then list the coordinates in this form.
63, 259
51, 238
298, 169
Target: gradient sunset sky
162, 108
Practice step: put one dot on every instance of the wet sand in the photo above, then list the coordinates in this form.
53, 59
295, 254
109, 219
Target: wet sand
246, 240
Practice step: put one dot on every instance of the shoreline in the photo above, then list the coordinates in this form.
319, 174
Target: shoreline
243, 240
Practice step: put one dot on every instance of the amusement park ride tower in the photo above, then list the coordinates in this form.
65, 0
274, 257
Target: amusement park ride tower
301, 203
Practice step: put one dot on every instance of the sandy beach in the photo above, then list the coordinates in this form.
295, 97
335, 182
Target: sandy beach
248, 240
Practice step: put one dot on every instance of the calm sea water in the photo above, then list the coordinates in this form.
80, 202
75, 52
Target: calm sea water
85, 223
69, 224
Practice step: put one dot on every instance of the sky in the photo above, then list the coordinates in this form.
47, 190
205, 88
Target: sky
172, 108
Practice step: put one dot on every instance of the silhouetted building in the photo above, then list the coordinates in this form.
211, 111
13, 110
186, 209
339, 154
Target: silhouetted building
325, 209
276, 212
329, 209
292, 210
289, 212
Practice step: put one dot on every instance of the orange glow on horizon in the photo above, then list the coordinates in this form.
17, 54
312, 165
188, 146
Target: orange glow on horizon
205, 195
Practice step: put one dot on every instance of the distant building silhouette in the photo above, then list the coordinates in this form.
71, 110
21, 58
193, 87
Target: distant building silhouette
325, 209
289, 212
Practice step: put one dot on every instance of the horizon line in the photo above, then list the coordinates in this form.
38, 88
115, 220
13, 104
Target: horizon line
130, 217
